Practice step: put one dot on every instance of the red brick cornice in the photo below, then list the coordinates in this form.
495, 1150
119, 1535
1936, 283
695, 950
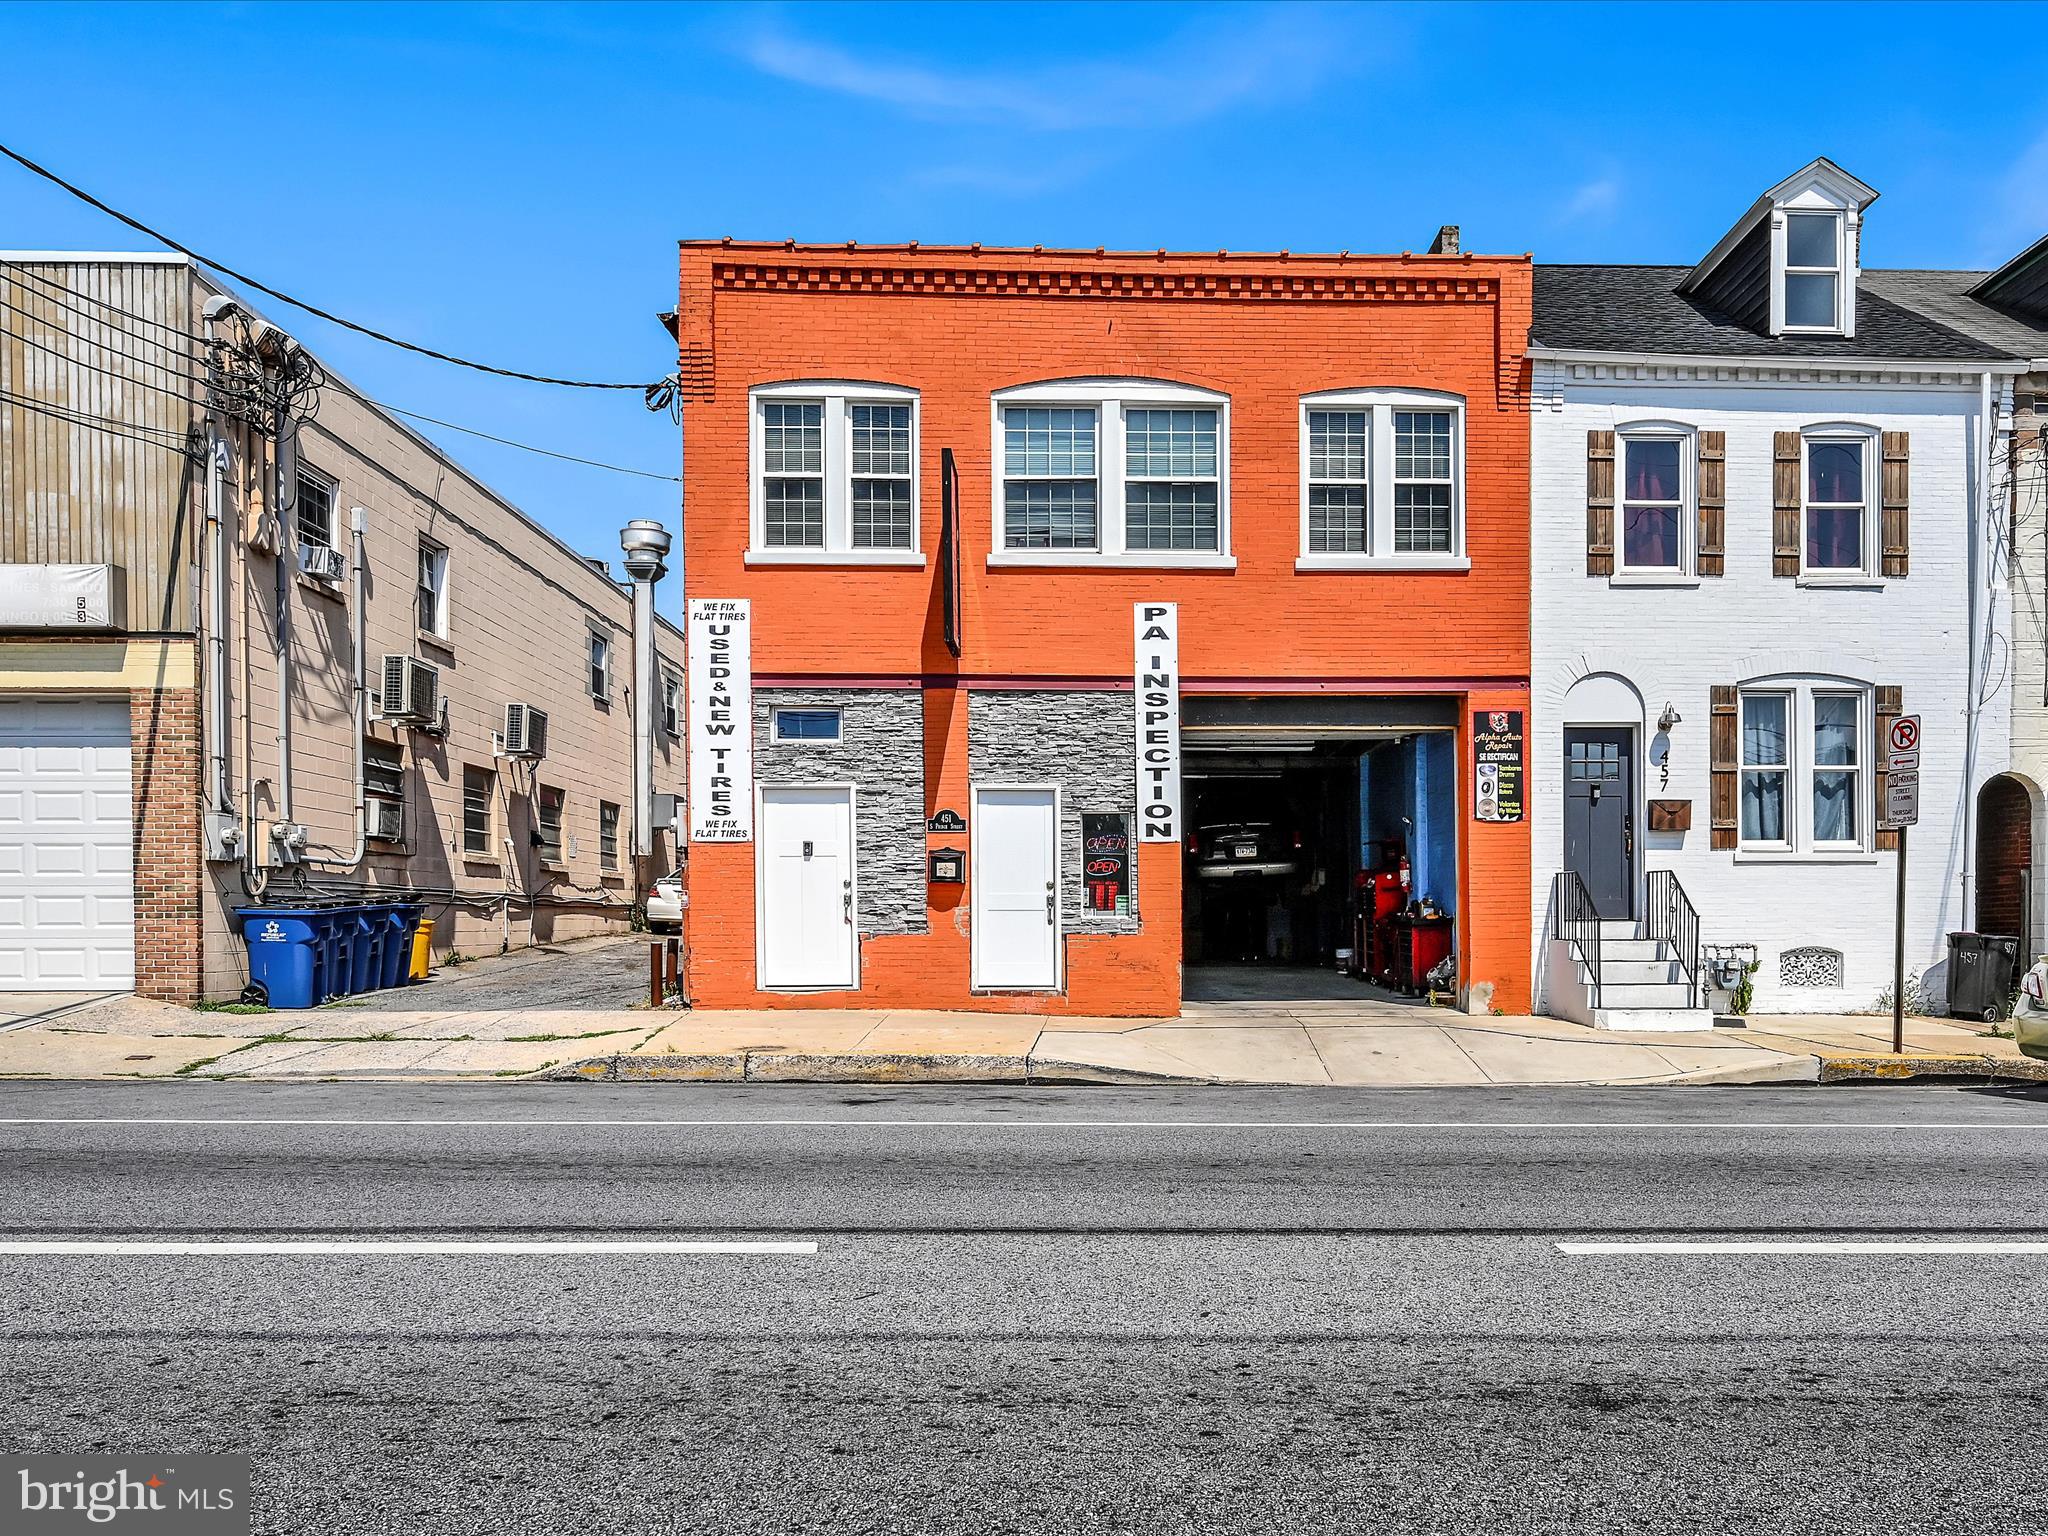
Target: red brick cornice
1089, 282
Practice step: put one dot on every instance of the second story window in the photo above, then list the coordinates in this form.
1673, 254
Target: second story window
834, 474
1834, 539
548, 824
1382, 480
671, 705
432, 603
1652, 503
1129, 471
607, 835
313, 509
600, 667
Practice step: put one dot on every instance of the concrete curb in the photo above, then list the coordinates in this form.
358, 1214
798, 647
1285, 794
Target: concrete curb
1896, 1069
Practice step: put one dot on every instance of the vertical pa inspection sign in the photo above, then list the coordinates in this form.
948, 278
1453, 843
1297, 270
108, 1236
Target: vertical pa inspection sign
721, 720
1156, 681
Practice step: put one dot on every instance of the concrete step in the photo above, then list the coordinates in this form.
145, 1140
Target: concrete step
1649, 1020
1643, 994
1615, 971
1617, 928
1633, 949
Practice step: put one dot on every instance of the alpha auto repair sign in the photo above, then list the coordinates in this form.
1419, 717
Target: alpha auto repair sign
1497, 759
721, 720
1156, 681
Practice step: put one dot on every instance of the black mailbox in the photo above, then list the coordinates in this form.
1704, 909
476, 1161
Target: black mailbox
945, 866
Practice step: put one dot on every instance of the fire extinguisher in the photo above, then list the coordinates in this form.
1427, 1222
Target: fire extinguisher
1407, 874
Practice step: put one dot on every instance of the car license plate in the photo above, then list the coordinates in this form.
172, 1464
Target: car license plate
1246, 851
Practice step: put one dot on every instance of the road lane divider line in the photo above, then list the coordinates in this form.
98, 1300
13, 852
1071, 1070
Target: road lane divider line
382, 1247
2040, 1126
1795, 1246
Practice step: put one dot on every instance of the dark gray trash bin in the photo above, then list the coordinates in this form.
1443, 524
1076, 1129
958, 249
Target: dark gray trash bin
1983, 969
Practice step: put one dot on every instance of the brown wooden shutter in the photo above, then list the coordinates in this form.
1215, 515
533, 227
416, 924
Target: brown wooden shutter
1889, 708
1897, 456
1713, 495
1599, 503
1724, 744
1785, 505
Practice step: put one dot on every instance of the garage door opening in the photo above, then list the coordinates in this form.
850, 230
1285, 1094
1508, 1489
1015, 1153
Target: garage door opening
1304, 814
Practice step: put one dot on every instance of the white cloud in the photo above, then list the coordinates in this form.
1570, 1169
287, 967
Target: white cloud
1594, 199
1266, 55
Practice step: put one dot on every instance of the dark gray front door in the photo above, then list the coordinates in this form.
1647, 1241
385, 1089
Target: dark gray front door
1599, 824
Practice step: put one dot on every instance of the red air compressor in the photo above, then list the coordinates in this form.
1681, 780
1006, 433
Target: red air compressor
1382, 891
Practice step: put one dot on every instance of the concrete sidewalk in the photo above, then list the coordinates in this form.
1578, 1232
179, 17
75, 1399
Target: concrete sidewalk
568, 1013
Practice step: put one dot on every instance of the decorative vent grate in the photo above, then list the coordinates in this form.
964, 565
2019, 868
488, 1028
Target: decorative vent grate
1811, 966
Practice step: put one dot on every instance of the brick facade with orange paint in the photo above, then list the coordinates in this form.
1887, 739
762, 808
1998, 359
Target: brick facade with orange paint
164, 767
959, 325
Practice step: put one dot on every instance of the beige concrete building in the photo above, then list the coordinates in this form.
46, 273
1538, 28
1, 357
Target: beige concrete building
444, 712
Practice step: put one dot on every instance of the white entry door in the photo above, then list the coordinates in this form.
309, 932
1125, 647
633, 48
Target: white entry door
67, 884
804, 846
1016, 909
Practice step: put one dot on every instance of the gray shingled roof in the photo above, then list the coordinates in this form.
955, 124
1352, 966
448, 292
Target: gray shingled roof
1945, 297
1639, 309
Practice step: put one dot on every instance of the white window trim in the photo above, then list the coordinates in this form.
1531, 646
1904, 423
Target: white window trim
775, 724
1870, 573
1845, 269
592, 637
1801, 845
332, 486
671, 694
1687, 569
1380, 554
836, 396
1110, 398
442, 567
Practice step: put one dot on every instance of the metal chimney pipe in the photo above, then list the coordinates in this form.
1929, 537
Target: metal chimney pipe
646, 543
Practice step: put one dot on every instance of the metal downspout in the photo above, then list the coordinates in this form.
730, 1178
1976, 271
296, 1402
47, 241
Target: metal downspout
359, 712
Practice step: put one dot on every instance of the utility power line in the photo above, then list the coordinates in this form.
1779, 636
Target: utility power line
312, 309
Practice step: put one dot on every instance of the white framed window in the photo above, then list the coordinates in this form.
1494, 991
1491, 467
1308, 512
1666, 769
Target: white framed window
607, 835
313, 508
431, 608
599, 669
1836, 472
834, 474
479, 795
671, 705
1655, 502
1111, 471
1382, 480
806, 724
1813, 277
1806, 785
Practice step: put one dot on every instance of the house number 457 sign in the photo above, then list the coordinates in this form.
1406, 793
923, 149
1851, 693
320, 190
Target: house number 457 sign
1902, 773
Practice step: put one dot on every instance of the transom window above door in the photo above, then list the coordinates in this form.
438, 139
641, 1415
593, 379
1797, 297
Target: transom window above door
834, 474
1111, 471
1382, 481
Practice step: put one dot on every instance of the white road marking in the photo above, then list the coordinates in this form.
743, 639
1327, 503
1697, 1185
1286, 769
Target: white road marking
1778, 1246
379, 1247
1080, 1125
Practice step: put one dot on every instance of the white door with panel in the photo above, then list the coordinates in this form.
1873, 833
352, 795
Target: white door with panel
1016, 907
67, 880
805, 850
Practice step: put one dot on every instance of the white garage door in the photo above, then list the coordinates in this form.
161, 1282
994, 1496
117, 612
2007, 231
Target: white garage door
67, 889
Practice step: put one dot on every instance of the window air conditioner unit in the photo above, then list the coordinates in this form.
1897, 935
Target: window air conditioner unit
322, 563
387, 820
412, 690
526, 731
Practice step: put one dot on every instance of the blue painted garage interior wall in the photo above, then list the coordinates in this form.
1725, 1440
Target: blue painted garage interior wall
1408, 793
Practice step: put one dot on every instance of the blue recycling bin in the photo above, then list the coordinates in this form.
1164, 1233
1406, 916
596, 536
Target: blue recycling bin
338, 941
289, 950
401, 922
366, 927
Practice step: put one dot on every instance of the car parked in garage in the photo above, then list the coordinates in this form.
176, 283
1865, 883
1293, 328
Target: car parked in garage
1231, 849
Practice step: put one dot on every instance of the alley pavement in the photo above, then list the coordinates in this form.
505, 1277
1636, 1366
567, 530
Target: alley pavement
580, 1010
1097, 1309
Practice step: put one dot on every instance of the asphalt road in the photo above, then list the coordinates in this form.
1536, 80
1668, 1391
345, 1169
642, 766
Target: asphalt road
1043, 1311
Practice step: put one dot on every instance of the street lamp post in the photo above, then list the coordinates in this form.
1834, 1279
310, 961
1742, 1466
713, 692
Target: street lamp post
646, 544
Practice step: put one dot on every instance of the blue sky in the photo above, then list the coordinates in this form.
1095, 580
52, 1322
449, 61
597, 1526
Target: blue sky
508, 182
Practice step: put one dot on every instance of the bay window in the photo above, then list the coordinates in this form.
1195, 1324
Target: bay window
1382, 480
1116, 471
834, 477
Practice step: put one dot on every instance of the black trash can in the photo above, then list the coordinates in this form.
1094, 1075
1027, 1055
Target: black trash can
1983, 968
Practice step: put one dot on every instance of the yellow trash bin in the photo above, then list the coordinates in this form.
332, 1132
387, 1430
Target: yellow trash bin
422, 949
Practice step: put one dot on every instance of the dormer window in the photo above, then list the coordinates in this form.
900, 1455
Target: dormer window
1813, 272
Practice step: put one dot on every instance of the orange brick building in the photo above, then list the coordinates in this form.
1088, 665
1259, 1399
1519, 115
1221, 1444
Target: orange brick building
932, 496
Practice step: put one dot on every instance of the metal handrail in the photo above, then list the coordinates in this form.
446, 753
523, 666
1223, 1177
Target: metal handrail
1674, 919
1574, 920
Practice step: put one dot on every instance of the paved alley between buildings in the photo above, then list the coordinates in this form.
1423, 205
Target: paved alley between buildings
961, 1309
